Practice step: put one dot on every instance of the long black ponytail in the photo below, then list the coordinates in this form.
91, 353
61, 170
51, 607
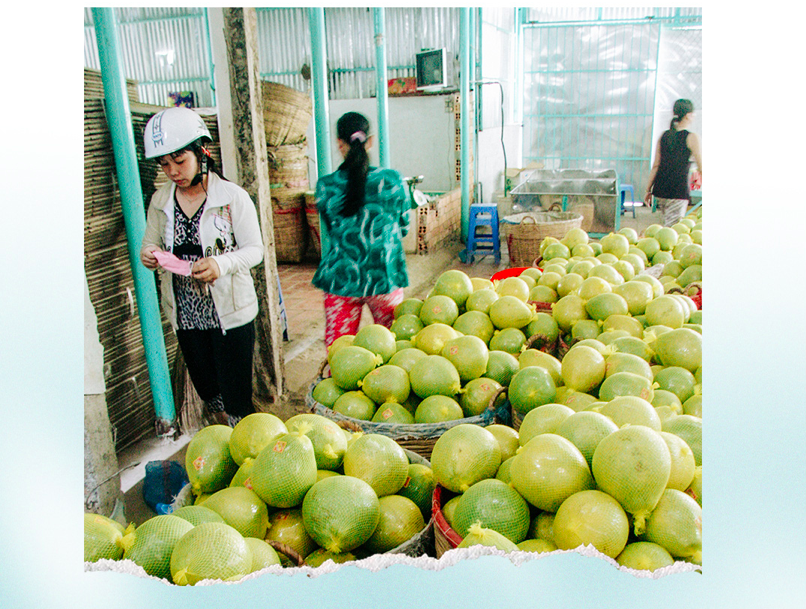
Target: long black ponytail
353, 129
681, 108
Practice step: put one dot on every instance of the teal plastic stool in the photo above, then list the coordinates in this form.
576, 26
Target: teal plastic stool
623, 188
482, 214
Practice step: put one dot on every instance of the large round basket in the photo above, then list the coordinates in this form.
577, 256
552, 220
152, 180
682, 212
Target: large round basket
417, 437
421, 544
445, 538
288, 166
286, 114
526, 230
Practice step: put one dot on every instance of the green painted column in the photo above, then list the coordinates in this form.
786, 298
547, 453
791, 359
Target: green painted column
464, 87
118, 116
381, 87
316, 19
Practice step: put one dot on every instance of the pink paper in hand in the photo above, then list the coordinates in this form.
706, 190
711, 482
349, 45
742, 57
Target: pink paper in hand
173, 264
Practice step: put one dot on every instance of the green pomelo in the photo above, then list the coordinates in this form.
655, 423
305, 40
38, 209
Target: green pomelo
286, 527
439, 309
695, 488
379, 461
263, 555
583, 368
494, 505
594, 518
328, 440
632, 465
377, 339
635, 250
341, 513
438, 409
607, 258
257, 430
197, 514
513, 286
582, 268
548, 470
644, 556
672, 268
585, 329
326, 392
475, 323
504, 473
543, 294
569, 283
326, 473
406, 326
615, 244
649, 246
657, 286
608, 336
531, 387
355, 404
608, 273
575, 236
402, 344
386, 383
666, 238
283, 472
667, 399
575, 400
469, 356
510, 312
532, 272
593, 286
683, 464
242, 509
693, 406
568, 310
409, 306
533, 357
419, 487
454, 284
546, 242
691, 255
556, 250
208, 462
501, 366
585, 430
476, 395
400, 520
665, 311
678, 380
602, 306
319, 557
433, 337
509, 340
681, 347
479, 536
543, 419
631, 410
626, 384
633, 346
449, 509
463, 455
542, 526
689, 428
434, 375
406, 358
538, 546
593, 343
676, 525
507, 440
624, 322
351, 364
625, 269
627, 362
637, 262
549, 279
393, 413
345, 340
481, 301
482, 283
212, 550
690, 275
102, 538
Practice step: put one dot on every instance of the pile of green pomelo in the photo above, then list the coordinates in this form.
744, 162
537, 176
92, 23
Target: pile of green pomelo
596, 351
268, 492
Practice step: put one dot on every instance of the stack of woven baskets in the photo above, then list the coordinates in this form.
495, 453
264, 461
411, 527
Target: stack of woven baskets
286, 115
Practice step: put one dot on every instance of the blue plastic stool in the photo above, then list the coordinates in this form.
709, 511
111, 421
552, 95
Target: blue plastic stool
482, 214
623, 188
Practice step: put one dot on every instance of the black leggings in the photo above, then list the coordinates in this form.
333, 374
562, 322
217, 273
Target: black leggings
221, 363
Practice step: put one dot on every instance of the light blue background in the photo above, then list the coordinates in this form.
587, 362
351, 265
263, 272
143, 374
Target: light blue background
754, 352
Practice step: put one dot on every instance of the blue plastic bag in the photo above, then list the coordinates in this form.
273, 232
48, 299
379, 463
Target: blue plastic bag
163, 481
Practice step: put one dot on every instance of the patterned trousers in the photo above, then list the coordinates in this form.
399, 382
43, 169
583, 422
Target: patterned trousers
673, 210
343, 313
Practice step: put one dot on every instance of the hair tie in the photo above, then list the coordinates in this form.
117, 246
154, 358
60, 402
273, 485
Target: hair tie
358, 135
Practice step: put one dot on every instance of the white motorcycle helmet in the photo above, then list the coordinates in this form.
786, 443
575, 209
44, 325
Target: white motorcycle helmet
172, 129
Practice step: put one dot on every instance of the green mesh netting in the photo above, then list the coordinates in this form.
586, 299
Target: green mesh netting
152, 543
379, 461
211, 550
102, 538
284, 471
197, 514
327, 438
208, 462
286, 527
263, 555
400, 520
495, 505
463, 455
242, 509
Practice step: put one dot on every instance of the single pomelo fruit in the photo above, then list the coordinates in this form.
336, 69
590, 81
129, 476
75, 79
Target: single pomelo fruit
409, 306
434, 375
531, 387
345, 340
689, 428
495, 505
463, 455
212, 550
683, 464
679, 381
632, 465
585, 429
379, 461
543, 419
543, 294
386, 383
433, 337
286, 527
680, 347
626, 384
476, 395
676, 525
510, 340
511, 312
102, 538
501, 366
575, 400
602, 306
583, 368
593, 286
482, 283
263, 555
631, 410
439, 309
542, 330
454, 284
469, 356
585, 329
355, 404
406, 358
340, 513
419, 487
283, 472
481, 301
568, 310
665, 311
326, 392
438, 409
695, 488
644, 556
351, 364
667, 399
197, 514
616, 244
208, 462
537, 545
693, 406
569, 283
627, 362
607, 272
406, 326
400, 520
542, 526
326, 436
533, 357
475, 323
594, 518
242, 509
378, 339
548, 470
392, 413
507, 440
449, 508
624, 322
513, 286
256, 431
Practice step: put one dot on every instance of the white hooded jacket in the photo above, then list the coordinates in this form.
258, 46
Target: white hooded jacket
230, 234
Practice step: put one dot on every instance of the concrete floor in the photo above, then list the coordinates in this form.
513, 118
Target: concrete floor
305, 350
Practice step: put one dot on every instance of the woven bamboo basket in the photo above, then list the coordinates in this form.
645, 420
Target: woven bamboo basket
528, 229
288, 166
290, 229
445, 538
416, 437
312, 216
286, 114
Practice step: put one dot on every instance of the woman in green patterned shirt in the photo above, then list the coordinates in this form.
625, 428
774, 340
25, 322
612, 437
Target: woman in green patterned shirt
363, 209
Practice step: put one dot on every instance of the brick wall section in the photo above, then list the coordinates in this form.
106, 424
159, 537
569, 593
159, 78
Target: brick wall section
440, 222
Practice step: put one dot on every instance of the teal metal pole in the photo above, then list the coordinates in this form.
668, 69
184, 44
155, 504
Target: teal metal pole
381, 87
210, 62
464, 86
118, 115
316, 19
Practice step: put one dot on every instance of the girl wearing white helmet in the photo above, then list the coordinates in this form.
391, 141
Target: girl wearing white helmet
203, 237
